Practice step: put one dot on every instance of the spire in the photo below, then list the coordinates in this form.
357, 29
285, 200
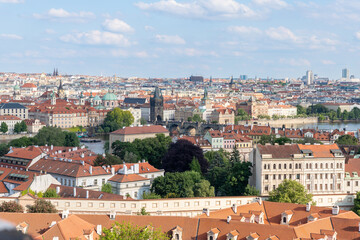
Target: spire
157, 93
54, 72
205, 93
231, 80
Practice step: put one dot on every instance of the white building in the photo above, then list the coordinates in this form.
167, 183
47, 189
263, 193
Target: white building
282, 110
10, 122
320, 168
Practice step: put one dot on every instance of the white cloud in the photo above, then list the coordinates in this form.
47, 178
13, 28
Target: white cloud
357, 35
168, 39
96, 37
277, 4
295, 62
10, 36
244, 30
200, 8
60, 14
50, 31
328, 62
149, 28
282, 34
117, 25
11, 1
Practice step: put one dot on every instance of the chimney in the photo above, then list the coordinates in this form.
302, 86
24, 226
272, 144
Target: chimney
359, 226
234, 208
112, 215
74, 191
90, 170
55, 238
65, 214
206, 211
308, 206
335, 210
228, 219
259, 200
112, 171
99, 229
87, 194
52, 147
58, 189
82, 155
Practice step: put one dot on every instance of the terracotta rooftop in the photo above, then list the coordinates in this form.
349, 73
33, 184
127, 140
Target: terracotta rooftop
127, 178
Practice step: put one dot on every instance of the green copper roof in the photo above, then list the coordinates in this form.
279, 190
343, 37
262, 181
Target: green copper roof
97, 98
110, 97
17, 87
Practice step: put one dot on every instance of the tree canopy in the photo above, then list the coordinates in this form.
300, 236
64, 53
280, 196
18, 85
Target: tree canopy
117, 118
50, 193
109, 159
347, 140
356, 208
11, 206
151, 149
42, 206
4, 127
129, 231
290, 191
180, 155
106, 188
182, 184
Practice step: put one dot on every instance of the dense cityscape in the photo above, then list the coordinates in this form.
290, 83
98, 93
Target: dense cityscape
179, 120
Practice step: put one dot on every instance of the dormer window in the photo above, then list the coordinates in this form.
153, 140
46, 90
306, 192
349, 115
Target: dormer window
337, 152
177, 233
313, 217
253, 236
233, 235
286, 217
213, 234
307, 153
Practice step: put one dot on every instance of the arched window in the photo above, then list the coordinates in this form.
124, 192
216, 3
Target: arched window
296, 166
211, 238
316, 166
332, 165
264, 166
326, 165
279, 166
321, 165
177, 237
274, 166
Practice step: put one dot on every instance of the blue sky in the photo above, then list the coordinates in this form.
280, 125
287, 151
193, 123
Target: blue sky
179, 38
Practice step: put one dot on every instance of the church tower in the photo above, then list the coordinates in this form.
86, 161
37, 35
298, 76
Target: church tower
61, 91
53, 98
205, 101
232, 84
157, 106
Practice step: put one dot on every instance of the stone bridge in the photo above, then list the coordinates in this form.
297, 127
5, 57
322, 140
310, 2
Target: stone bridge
191, 128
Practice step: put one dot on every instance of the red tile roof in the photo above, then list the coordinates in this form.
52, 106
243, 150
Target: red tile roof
127, 178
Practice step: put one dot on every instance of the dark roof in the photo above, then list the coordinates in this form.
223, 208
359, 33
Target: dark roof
11, 105
135, 100
279, 151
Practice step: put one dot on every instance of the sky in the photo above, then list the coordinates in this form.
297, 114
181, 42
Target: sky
179, 38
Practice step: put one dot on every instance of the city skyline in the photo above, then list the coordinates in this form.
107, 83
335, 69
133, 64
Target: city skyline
168, 38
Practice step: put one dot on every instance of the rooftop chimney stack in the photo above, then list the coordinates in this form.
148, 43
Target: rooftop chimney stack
335, 210
58, 189
228, 219
65, 214
87, 194
90, 170
99, 229
234, 208
74, 191
308, 206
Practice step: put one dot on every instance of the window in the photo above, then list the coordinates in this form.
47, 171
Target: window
95, 182
356, 183
297, 176
326, 165
274, 176
264, 166
273, 187
103, 181
279, 176
274, 166
316, 166
285, 166
308, 176
279, 166
266, 177
315, 176
266, 188
284, 176
296, 166
348, 183
290, 166
326, 187
339, 186
308, 187
299, 165
332, 165
315, 186
321, 165
284, 219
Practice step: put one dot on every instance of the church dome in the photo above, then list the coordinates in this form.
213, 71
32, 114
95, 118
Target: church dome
110, 97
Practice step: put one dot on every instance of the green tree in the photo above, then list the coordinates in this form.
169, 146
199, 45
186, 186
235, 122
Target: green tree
300, 110
143, 212
182, 184
71, 140
196, 118
4, 127
219, 166
282, 140
23, 126
118, 118
321, 117
356, 208
121, 148
235, 155
106, 188
17, 128
345, 115
290, 191
338, 112
109, 159
237, 179
21, 142
267, 139
131, 232
251, 191
42, 206
50, 193
51, 136
195, 165
11, 206
347, 140
143, 121
150, 195
242, 115
4, 149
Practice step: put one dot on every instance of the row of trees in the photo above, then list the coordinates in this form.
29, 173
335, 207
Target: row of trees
322, 112
50, 136
18, 128
342, 140
40, 206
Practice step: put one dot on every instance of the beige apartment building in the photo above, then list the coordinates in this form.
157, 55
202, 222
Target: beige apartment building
320, 168
129, 134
